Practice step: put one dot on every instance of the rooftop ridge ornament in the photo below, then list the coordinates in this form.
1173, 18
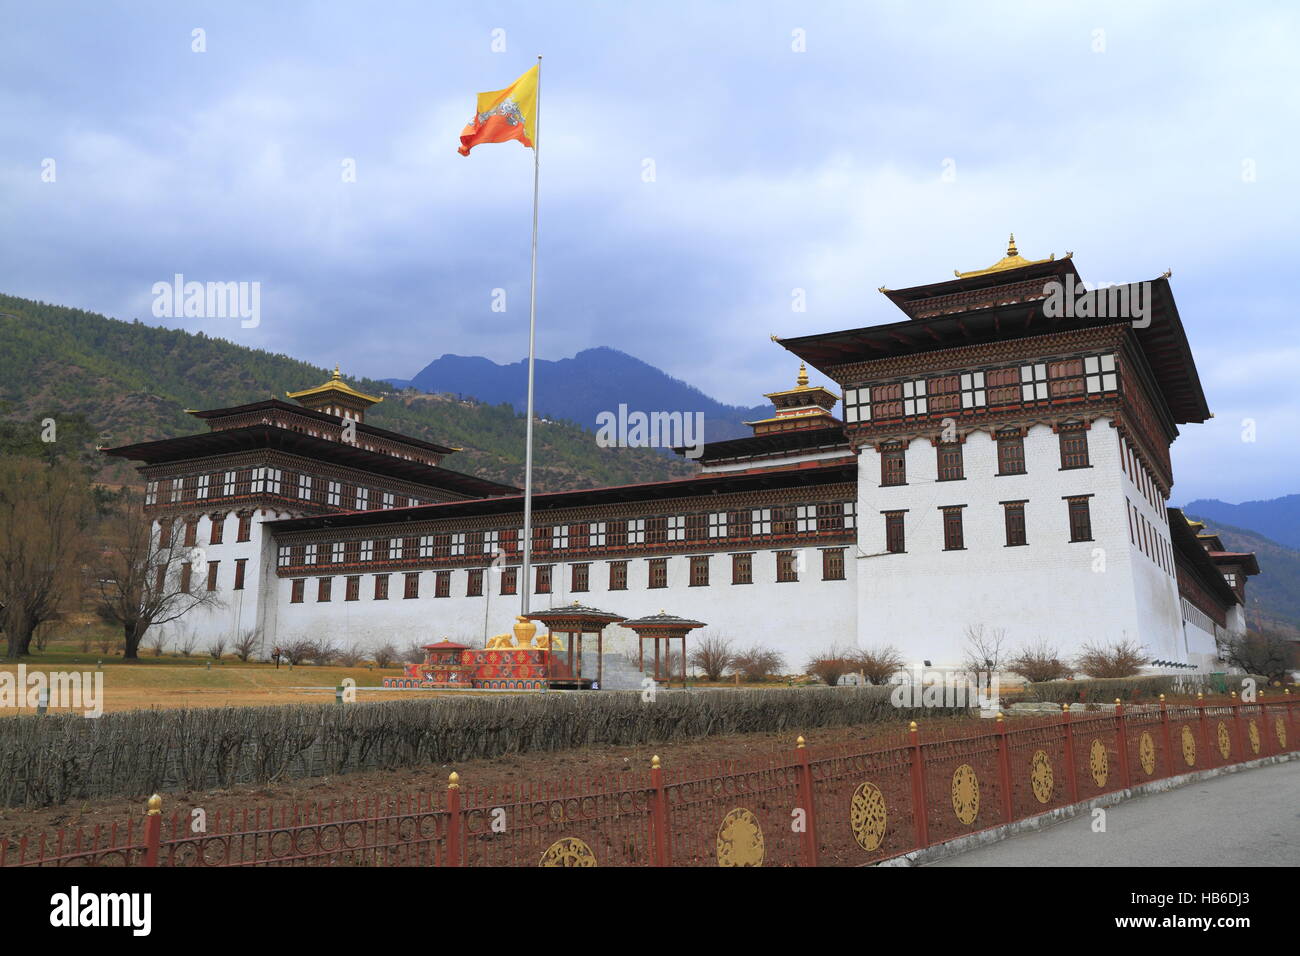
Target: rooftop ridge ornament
1012, 260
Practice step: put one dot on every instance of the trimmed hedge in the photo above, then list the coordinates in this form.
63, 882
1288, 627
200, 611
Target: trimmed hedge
50, 759
1105, 690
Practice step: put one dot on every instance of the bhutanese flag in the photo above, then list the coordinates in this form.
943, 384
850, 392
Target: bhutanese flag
504, 115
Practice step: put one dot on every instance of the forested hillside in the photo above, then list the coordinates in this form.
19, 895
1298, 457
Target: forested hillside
118, 382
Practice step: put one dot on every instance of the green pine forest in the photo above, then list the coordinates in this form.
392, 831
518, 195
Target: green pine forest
110, 382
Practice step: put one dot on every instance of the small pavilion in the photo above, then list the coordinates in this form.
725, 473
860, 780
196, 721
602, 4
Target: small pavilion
662, 627
575, 620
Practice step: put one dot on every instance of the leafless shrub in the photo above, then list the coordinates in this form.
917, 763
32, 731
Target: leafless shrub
414, 653
246, 643
84, 642
384, 655
324, 652
879, 664
757, 662
1118, 659
297, 652
217, 648
831, 664
712, 656
185, 643
156, 642
350, 655
1040, 661
106, 643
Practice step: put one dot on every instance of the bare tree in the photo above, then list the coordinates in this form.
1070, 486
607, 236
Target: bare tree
185, 643
414, 653
323, 652
879, 664
985, 651
296, 652
246, 643
145, 573
217, 648
1267, 652
1040, 661
155, 643
44, 508
1119, 659
384, 655
712, 655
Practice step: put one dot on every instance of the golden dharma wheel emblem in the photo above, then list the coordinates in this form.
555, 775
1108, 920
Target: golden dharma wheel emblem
1147, 753
965, 793
1280, 726
1099, 762
1254, 737
1225, 741
1040, 776
569, 851
868, 816
740, 839
1189, 746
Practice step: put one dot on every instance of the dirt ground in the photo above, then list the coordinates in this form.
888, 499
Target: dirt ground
510, 770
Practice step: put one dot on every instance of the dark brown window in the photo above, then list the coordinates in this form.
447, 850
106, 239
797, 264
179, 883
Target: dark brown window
381, 587
245, 528
785, 567
581, 577
296, 590
165, 533
579, 537
953, 539
543, 580
893, 465
186, 573
700, 571
1074, 446
212, 575
160, 578
658, 572
411, 586
442, 584
618, 573
895, 542
218, 526
740, 523
474, 586
950, 463
656, 530
191, 532
352, 590
324, 586
616, 534
833, 564
1014, 515
1080, 520
742, 569
240, 564
697, 527
509, 580
1011, 453
785, 520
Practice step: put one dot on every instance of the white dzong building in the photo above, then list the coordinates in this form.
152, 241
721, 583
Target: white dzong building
994, 468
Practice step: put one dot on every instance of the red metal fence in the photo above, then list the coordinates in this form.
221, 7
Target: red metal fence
840, 806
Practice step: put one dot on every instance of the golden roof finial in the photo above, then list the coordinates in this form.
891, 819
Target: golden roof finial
1012, 260
336, 370
802, 378
1011, 246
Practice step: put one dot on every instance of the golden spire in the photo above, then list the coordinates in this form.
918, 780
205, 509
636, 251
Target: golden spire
336, 372
802, 379
1012, 260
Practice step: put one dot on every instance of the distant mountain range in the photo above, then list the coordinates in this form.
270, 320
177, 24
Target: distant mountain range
578, 389
119, 382
1276, 518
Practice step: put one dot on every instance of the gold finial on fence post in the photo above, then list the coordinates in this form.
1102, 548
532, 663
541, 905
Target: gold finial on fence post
154, 806
999, 716
1200, 696
453, 781
800, 742
654, 762
912, 726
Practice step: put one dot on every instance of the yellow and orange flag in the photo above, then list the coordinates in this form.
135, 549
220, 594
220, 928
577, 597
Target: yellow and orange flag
504, 115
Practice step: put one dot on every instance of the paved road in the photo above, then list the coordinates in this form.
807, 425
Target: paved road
1250, 818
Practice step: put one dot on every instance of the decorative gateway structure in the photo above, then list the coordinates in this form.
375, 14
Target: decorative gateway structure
1002, 465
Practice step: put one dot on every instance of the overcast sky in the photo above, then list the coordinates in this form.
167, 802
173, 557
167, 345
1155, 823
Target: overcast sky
696, 169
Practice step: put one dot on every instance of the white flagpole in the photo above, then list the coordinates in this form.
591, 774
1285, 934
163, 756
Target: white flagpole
525, 586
